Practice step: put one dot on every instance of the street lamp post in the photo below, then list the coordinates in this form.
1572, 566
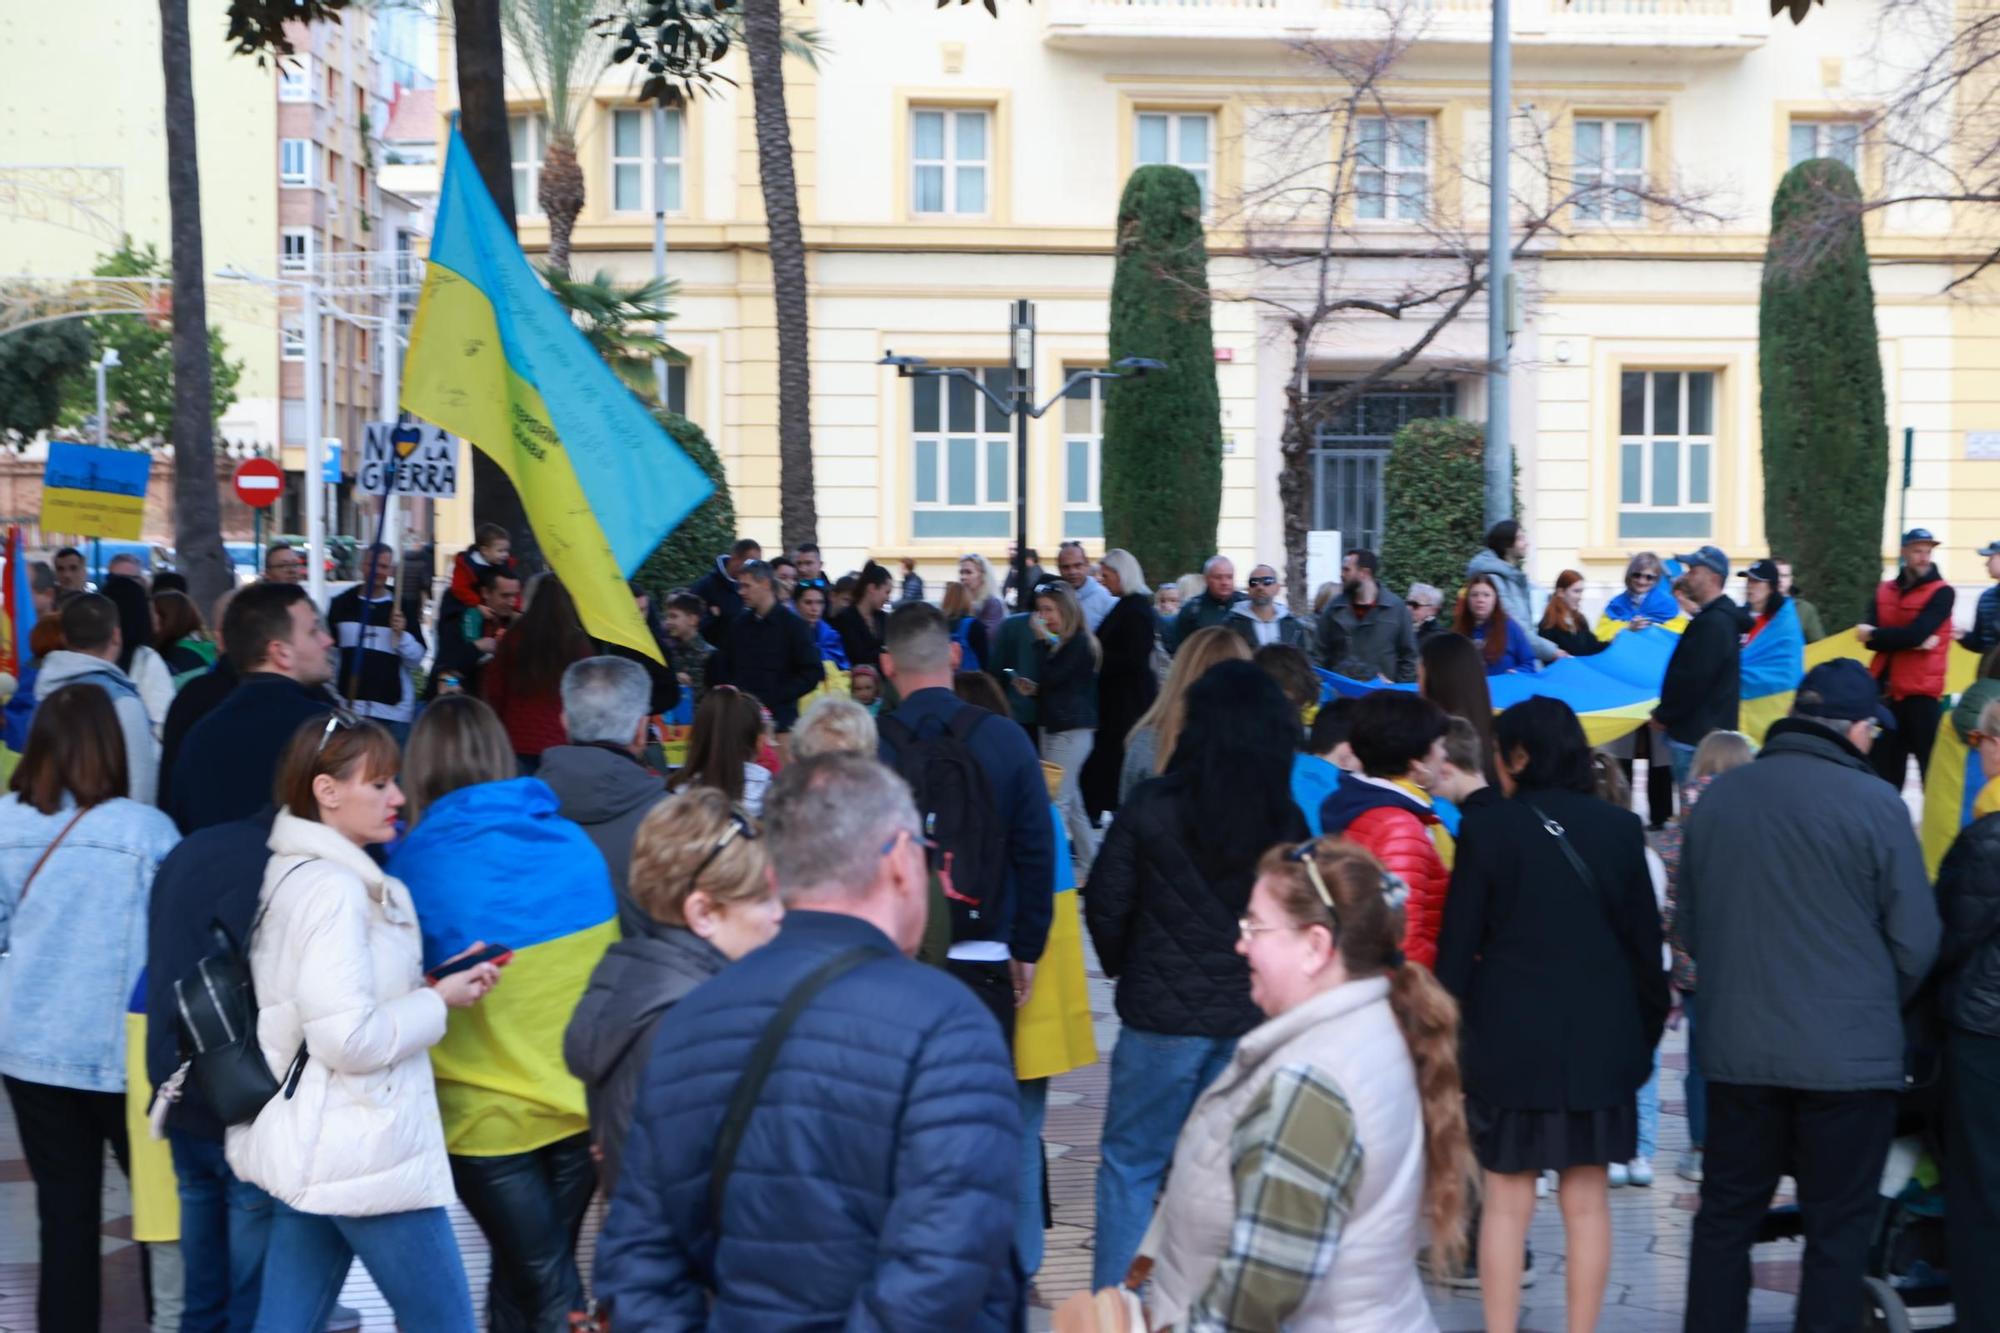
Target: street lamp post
1019, 404
108, 362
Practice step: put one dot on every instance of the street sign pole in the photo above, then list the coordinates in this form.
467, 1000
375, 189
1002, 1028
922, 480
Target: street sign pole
315, 484
1021, 346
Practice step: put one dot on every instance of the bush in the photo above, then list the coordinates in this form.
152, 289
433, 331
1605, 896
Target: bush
1162, 460
689, 551
1434, 487
1826, 428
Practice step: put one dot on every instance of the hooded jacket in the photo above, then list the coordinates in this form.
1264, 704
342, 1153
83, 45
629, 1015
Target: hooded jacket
142, 751
1284, 627
337, 962
607, 792
611, 1034
1512, 582
1396, 828
1803, 902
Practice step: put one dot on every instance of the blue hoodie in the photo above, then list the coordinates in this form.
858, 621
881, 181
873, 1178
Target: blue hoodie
1658, 606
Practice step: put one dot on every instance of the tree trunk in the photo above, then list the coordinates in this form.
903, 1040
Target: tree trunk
798, 514
561, 196
1295, 481
197, 506
482, 121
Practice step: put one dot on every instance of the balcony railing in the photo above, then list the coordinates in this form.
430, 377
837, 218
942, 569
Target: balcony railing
1720, 25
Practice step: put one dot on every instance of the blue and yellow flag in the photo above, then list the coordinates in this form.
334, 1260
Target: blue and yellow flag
1053, 1033
1772, 665
494, 358
156, 1198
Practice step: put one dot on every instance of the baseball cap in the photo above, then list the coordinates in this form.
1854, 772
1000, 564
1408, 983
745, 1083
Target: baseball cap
1842, 691
1708, 557
1915, 535
1764, 571
1991, 548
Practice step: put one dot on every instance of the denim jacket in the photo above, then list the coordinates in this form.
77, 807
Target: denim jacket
76, 947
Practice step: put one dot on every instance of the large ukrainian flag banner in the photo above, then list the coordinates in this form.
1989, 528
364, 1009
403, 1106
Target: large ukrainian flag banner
494, 358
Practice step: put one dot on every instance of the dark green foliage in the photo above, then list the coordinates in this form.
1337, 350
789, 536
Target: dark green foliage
690, 549
257, 27
36, 365
1162, 464
1826, 429
1433, 503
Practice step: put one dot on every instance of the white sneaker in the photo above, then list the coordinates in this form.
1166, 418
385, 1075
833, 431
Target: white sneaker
1620, 1175
1542, 1185
1640, 1172
1689, 1167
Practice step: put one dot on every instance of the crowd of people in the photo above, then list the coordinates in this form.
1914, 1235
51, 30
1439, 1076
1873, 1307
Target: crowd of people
788, 990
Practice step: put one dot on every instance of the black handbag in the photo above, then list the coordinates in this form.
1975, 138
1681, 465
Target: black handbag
217, 1003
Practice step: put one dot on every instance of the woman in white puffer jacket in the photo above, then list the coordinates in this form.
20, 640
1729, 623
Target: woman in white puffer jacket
355, 1154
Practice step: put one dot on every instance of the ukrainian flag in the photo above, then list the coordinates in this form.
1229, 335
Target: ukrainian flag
156, 1194
495, 862
1772, 665
494, 358
1053, 1032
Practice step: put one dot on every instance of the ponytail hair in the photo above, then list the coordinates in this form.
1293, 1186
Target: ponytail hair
1366, 923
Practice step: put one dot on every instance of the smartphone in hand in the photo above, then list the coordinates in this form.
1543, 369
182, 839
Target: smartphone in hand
497, 954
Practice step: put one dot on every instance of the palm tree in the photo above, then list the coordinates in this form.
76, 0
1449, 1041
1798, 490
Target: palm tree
197, 506
565, 53
619, 321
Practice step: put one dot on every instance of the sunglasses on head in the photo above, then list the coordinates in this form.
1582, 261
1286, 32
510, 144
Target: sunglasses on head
739, 827
337, 720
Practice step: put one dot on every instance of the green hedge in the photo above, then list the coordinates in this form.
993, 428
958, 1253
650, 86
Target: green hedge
1434, 503
689, 551
1826, 427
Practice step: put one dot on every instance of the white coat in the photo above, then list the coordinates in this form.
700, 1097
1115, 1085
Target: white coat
337, 962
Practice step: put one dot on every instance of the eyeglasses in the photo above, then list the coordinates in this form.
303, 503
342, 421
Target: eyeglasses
1642, 578
739, 827
1975, 739
335, 720
1262, 583
1250, 930
926, 845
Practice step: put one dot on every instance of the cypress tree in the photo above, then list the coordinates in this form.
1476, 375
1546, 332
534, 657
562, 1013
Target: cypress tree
689, 550
1161, 471
1826, 430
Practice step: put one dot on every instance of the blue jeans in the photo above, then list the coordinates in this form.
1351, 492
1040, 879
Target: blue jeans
1649, 1112
1029, 1236
1695, 1088
225, 1225
1683, 760
1155, 1079
412, 1256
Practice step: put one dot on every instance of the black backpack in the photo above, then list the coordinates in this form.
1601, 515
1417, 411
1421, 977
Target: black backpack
960, 816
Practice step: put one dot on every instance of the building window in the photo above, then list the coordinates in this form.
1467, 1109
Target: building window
1181, 139
527, 134
295, 158
1351, 449
293, 426
295, 79
677, 389
1392, 175
950, 152
295, 250
1837, 139
962, 458
641, 170
1666, 453
1083, 447
1610, 170
295, 339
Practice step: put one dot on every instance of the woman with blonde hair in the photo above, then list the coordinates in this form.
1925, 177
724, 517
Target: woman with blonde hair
1065, 692
698, 868
1338, 1125
968, 631
1150, 743
975, 575
837, 726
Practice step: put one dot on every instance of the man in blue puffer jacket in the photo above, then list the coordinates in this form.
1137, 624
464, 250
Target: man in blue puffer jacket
875, 1180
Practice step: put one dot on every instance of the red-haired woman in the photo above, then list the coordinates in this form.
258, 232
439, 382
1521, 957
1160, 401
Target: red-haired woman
1502, 643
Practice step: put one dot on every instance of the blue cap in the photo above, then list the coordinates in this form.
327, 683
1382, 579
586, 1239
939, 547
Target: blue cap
1764, 571
1915, 535
1706, 557
1842, 691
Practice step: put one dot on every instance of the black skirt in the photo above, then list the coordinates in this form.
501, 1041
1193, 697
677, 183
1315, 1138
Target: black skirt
1509, 1142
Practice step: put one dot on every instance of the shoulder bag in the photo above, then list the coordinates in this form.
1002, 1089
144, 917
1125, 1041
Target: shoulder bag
6, 947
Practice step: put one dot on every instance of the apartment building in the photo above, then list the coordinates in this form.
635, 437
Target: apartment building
950, 162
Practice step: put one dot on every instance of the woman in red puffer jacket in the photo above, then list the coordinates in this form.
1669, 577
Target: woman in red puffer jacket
1399, 739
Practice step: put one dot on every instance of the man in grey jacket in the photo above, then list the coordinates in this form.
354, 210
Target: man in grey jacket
1366, 632
1804, 903
598, 776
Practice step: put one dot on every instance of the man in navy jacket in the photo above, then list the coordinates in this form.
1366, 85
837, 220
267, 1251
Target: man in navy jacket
874, 1182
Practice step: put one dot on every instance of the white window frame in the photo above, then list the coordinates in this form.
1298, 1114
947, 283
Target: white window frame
296, 84
528, 172
292, 338
1618, 203
1648, 442
950, 164
985, 436
1378, 192
299, 175
1176, 125
1823, 132
649, 161
1091, 438
304, 262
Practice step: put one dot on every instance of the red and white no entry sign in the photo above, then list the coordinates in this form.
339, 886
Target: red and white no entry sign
259, 482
